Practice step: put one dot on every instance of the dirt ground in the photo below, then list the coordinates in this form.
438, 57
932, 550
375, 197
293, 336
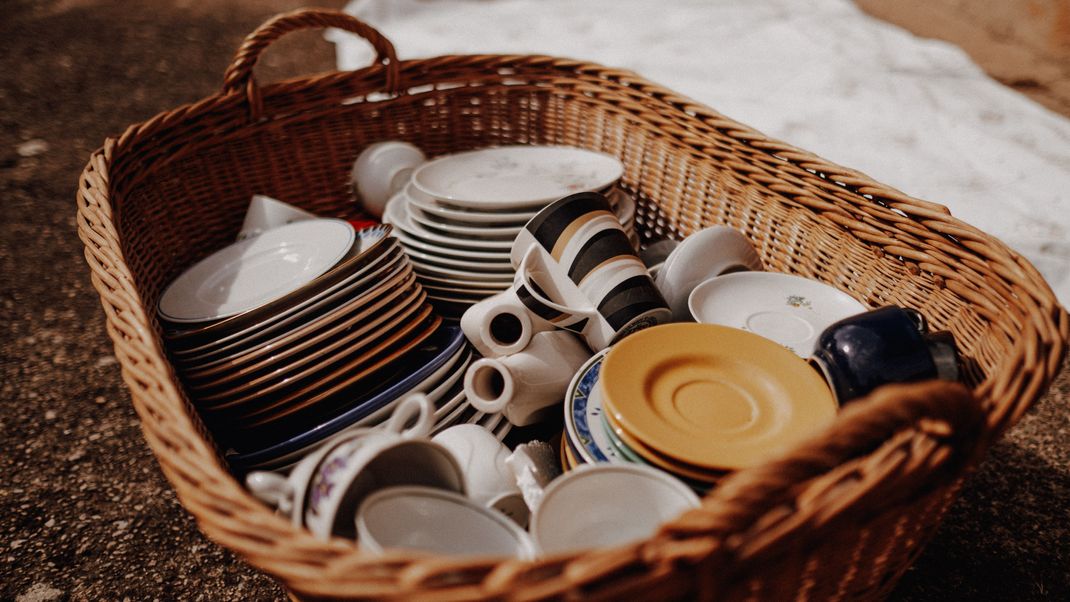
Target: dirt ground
85, 513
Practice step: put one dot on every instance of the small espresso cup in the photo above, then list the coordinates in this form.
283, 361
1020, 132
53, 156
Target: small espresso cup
325, 489
577, 270
501, 325
886, 345
525, 385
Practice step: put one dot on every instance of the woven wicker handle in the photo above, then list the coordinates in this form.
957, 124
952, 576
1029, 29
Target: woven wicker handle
240, 73
948, 410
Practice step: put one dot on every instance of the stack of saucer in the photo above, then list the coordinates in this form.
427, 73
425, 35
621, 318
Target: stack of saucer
288, 337
696, 400
458, 215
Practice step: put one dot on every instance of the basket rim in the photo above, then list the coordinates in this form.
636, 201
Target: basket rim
230, 515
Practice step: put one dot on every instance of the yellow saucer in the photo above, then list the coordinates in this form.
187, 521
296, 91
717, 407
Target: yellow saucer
688, 471
712, 396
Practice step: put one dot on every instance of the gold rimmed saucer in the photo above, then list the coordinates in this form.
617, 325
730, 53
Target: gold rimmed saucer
711, 396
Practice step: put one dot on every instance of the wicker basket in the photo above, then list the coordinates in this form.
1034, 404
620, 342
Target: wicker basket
841, 517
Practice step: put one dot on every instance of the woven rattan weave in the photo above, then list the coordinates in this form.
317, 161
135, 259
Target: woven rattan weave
841, 517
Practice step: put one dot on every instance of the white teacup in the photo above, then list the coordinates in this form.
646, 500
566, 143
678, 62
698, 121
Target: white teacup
703, 255
265, 213
605, 505
324, 491
524, 385
383, 169
488, 480
438, 521
501, 325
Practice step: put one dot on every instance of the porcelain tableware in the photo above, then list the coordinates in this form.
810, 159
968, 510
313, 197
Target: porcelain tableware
577, 269
438, 521
515, 177
326, 488
886, 345
256, 271
371, 250
435, 368
265, 213
398, 215
699, 257
583, 407
711, 396
381, 170
632, 502
525, 385
501, 324
396, 290
790, 310
488, 480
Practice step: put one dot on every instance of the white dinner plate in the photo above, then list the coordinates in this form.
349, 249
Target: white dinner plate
515, 177
278, 325
462, 274
397, 214
416, 244
457, 229
248, 274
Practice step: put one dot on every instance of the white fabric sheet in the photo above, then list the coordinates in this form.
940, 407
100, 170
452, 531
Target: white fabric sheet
913, 113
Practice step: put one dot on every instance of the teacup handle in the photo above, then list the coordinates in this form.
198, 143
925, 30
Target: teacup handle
273, 489
416, 406
539, 305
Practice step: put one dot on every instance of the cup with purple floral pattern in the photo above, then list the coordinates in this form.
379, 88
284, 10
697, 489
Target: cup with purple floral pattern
324, 491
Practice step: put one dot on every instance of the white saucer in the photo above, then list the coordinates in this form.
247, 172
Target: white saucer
397, 214
416, 244
426, 204
460, 229
255, 271
439, 271
789, 310
515, 177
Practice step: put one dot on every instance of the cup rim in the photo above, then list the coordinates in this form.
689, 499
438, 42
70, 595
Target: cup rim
525, 546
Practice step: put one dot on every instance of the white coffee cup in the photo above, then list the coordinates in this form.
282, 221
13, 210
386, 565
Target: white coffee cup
381, 170
500, 324
488, 480
604, 505
525, 385
703, 255
325, 489
438, 521
265, 213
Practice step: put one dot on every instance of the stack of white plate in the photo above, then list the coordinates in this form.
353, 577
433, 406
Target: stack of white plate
287, 338
459, 214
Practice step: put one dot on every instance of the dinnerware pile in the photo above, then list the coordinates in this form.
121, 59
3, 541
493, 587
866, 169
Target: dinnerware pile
695, 400
458, 215
300, 331
459, 493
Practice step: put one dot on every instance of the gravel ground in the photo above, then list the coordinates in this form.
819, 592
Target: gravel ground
85, 513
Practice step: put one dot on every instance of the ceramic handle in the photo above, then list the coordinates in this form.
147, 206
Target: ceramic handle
273, 489
414, 407
537, 302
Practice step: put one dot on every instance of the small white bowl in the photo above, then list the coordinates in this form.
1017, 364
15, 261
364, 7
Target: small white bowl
439, 521
603, 505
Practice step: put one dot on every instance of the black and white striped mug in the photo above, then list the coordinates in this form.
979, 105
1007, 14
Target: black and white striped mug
577, 270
